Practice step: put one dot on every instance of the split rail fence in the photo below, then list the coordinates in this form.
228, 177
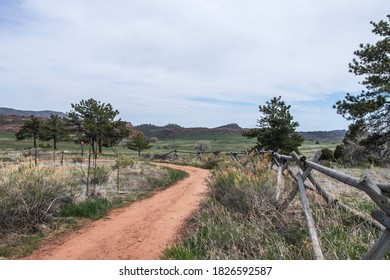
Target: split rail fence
379, 193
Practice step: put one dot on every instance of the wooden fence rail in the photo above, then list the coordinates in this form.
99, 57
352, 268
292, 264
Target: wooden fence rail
379, 193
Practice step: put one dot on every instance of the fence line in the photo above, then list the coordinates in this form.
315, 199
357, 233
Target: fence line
379, 193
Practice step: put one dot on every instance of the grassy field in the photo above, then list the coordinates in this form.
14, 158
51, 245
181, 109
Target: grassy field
224, 143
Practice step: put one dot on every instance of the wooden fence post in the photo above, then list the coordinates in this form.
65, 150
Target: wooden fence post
35, 156
309, 220
295, 189
279, 182
380, 247
117, 179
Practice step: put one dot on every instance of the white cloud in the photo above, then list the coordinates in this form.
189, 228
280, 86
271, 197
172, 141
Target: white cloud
150, 59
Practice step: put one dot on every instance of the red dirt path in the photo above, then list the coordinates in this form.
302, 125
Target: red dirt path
141, 231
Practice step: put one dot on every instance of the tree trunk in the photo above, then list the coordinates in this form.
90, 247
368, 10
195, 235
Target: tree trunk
139, 152
93, 146
100, 145
35, 141
55, 143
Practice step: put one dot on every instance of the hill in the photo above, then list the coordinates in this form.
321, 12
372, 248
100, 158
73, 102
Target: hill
11, 119
333, 135
174, 131
22, 113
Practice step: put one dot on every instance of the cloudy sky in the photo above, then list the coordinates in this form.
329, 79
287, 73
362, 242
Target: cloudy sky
190, 62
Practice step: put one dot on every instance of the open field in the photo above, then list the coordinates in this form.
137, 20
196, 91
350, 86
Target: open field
228, 143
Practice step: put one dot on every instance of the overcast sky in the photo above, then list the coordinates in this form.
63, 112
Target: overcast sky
189, 62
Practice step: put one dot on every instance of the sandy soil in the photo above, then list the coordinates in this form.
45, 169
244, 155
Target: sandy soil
141, 231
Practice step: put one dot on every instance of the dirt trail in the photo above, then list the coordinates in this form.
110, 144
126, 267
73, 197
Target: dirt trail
141, 231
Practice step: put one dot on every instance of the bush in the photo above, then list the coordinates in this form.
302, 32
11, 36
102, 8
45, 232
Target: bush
327, 155
172, 176
29, 195
246, 194
123, 161
97, 176
339, 152
210, 163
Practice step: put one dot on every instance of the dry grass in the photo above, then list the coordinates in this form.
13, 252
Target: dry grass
240, 220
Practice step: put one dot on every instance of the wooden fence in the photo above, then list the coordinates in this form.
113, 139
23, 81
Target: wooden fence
379, 193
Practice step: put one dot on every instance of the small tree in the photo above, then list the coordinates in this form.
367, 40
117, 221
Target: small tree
29, 129
55, 128
201, 146
276, 128
138, 142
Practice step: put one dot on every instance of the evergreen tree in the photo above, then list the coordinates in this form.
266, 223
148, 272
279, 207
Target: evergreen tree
29, 129
95, 123
370, 110
276, 128
55, 128
138, 142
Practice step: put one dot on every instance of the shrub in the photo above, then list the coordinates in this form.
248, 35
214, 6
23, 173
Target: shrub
245, 194
201, 146
123, 161
327, 155
339, 152
98, 175
170, 177
28, 196
210, 163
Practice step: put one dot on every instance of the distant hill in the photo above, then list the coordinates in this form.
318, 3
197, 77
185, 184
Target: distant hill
12, 119
172, 131
333, 135
22, 113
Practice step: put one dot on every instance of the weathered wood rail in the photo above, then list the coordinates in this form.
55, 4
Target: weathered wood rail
379, 193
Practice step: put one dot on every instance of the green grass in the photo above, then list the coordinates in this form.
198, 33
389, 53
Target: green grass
309, 148
91, 208
224, 143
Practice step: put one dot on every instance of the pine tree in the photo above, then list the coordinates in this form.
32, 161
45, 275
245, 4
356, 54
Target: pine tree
95, 123
276, 128
55, 128
138, 142
370, 110
29, 129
